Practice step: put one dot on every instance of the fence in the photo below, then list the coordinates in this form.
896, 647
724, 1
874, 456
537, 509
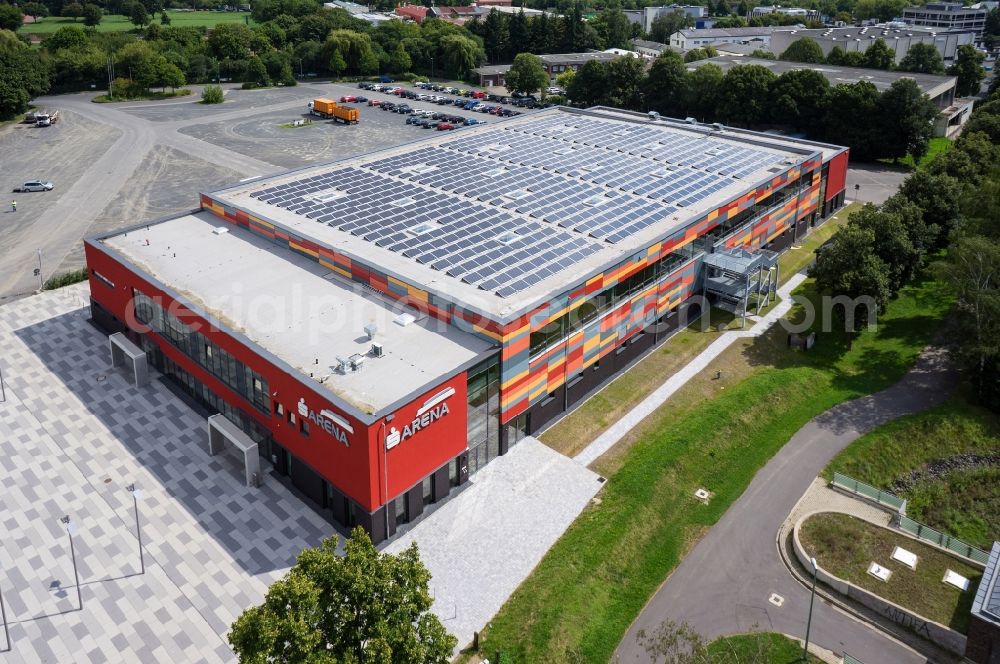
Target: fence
946, 541
870, 492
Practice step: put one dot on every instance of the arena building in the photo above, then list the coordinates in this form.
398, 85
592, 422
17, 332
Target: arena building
381, 327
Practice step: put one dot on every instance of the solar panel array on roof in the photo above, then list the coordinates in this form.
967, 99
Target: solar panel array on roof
505, 209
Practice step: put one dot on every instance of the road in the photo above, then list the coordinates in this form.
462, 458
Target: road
723, 585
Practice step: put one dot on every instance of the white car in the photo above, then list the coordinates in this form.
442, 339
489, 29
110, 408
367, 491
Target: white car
554, 91
35, 185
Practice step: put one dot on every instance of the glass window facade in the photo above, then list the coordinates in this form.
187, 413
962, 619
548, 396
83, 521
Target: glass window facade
484, 413
241, 378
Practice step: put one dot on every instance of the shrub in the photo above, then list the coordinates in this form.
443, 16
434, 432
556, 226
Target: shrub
212, 94
65, 279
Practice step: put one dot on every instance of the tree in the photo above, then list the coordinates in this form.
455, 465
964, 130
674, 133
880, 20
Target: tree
838, 56
459, 54
563, 79
879, 55
230, 41
590, 83
851, 108
625, 75
399, 60
987, 124
730, 22
164, 18
803, 49
72, 10
614, 27
212, 94
704, 91
11, 18
666, 86
906, 115
939, 197
520, 33
137, 14
526, 74
883, 10
667, 23
700, 53
763, 55
746, 100
922, 58
848, 266
23, 75
363, 607
92, 15
495, 36
973, 269
799, 99
892, 244
35, 10
968, 67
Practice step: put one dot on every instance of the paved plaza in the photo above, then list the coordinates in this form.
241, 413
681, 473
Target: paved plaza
74, 433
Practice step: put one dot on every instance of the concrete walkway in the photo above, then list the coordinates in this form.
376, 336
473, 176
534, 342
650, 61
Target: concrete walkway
611, 436
729, 583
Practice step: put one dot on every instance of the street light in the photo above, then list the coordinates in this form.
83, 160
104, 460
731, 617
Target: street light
71, 530
136, 495
812, 598
6, 632
432, 66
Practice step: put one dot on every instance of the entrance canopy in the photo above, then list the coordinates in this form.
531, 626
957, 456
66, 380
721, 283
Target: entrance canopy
122, 350
221, 430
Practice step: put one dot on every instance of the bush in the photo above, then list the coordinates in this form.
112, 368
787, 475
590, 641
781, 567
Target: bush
65, 279
212, 94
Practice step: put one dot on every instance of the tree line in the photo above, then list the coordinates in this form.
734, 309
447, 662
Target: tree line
921, 58
874, 124
948, 208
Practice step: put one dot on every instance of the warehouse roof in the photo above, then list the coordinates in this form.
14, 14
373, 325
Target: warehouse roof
296, 310
929, 84
715, 33
504, 216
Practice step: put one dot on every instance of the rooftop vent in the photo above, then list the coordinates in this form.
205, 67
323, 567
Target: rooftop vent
326, 195
357, 361
377, 350
508, 238
370, 330
404, 319
654, 116
423, 229
690, 120
220, 230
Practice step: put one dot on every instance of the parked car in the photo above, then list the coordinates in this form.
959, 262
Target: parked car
388, 106
427, 123
478, 94
374, 102
402, 108
469, 105
496, 110
361, 99
413, 119
455, 119
35, 185
445, 126
365, 85
473, 121
554, 91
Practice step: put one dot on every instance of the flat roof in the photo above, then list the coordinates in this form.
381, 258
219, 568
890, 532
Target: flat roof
929, 84
504, 216
726, 32
298, 311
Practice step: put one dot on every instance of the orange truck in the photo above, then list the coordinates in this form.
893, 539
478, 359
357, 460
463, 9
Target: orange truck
327, 108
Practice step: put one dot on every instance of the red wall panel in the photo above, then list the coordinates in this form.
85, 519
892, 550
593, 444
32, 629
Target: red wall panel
836, 179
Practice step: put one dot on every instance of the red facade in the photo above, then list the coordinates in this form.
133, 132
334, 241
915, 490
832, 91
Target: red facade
355, 468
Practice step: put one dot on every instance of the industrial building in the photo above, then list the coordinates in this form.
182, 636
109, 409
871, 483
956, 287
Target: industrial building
954, 111
379, 328
947, 16
554, 64
646, 15
691, 38
983, 645
898, 38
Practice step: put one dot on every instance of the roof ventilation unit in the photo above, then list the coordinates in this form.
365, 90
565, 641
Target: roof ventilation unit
718, 126
343, 365
404, 319
377, 350
690, 120
370, 330
220, 230
357, 361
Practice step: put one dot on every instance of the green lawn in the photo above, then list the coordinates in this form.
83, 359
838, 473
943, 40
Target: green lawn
757, 648
795, 260
580, 599
116, 23
845, 546
963, 502
937, 145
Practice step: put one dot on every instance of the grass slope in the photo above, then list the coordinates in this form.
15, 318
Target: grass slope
845, 546
757, 648
117, 23
964, 503
578, 602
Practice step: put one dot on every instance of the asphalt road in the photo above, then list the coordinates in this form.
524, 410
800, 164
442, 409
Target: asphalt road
723, 585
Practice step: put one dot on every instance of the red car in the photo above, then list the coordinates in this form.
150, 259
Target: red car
478, 94
374, 102
348, 98
445, 126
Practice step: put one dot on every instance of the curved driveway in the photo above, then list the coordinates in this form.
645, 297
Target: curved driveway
723, 585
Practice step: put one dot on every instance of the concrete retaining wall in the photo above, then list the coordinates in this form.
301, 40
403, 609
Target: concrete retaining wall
934, 632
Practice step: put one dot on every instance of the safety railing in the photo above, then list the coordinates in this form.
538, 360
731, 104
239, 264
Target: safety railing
943, 540
871, 493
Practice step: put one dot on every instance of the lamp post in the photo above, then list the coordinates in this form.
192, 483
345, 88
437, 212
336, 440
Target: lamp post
40, 282
812, 598
3, 617
136, 495
432, 66
70, 530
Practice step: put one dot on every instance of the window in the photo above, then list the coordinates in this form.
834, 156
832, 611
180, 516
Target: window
278, 408
304, 427
101, 278
291, 417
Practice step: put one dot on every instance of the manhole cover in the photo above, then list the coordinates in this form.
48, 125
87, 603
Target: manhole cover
107, 480
101, 377
776, 599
